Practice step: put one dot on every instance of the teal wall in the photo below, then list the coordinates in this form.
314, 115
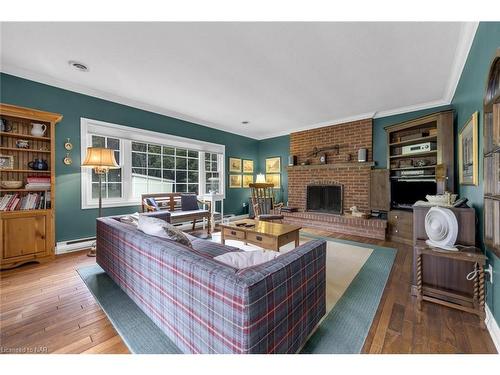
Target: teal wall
468, 99
380, 136
277, 146
71, 221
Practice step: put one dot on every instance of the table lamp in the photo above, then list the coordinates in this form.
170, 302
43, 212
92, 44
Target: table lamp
261, 179
101, 160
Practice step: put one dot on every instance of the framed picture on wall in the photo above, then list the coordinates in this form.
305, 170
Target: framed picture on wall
247, 180
273, 165
234, 165
275, 179
468, 152
247, 166
234, 181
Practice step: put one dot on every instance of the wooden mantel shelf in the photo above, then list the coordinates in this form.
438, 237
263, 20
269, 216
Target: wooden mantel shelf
333, 165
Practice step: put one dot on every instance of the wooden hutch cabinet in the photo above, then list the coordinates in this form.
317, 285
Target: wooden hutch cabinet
27, 211
420, 161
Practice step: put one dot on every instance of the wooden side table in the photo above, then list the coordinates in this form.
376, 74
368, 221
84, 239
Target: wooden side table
473, 304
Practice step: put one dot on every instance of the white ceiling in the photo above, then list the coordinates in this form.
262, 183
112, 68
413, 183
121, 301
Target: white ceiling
280, 77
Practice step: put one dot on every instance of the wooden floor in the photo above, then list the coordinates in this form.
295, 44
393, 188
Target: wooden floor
47, 308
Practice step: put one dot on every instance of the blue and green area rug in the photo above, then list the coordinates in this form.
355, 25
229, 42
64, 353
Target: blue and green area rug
356, 277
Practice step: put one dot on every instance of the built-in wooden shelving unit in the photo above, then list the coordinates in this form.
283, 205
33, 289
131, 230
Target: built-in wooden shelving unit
415, 171
27, 235
436, 129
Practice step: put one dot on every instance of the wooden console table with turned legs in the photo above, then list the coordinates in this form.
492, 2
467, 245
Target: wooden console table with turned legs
473, 304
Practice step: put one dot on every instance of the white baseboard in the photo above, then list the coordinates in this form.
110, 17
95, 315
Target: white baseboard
493, 329
85, 243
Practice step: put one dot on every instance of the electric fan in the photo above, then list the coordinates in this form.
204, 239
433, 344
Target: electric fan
441, 227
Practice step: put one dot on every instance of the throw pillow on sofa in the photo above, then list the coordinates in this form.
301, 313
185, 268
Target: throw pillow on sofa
131, 219
245, 259
176, 235
160, 228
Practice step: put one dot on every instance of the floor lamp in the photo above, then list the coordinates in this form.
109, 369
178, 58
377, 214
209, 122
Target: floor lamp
101, 160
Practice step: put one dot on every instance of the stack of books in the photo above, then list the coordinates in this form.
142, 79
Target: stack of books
38, 183
31, 201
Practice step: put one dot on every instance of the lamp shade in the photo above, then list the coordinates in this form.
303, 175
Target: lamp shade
261, 179
100, 158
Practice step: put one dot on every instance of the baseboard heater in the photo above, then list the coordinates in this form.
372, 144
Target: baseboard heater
74, 245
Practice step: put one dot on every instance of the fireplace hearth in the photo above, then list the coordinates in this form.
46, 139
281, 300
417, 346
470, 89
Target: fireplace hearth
325, 199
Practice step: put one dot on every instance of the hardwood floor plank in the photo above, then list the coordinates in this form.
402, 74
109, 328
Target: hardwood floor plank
48, 305
396, 319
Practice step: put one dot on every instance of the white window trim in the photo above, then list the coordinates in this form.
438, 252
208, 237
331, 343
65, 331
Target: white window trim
127, 134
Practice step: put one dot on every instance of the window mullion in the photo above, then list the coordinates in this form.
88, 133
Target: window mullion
202, 173
126, 156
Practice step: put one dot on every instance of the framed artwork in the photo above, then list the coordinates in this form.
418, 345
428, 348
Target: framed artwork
275, 179
234, 165
468, 152
234, 181
247, 180
6, 162
273, 165
247, 166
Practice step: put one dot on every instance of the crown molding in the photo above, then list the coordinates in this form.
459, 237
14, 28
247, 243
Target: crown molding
467, 34
411, 108
81, 89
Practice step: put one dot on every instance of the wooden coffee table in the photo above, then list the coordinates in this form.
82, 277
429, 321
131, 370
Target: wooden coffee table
270, 236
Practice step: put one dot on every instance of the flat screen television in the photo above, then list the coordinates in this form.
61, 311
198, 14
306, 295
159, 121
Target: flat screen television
405, 193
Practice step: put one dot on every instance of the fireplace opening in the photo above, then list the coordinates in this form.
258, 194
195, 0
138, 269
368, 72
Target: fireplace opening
325, 198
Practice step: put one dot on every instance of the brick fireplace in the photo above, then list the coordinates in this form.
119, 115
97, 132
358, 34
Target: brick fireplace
341, 169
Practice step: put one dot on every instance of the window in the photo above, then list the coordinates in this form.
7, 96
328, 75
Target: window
150, 162
112, 180
159, 169
212, 173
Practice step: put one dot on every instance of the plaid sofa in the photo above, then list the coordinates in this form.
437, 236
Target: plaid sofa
205, 306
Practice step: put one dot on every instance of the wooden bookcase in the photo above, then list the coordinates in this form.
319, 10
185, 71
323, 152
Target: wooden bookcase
27, 235
438, 163
491, 165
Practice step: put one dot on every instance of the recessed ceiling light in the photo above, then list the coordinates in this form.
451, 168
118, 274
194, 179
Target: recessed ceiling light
245, 122
81, 67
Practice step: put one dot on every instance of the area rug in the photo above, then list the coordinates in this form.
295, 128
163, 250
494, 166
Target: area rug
356, 277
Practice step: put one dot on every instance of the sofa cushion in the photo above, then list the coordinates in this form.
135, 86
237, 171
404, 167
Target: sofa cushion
160, 228
245, 259
189, 202
180, 214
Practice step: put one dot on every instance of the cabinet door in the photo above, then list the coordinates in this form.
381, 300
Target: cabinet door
380, 197
24, 235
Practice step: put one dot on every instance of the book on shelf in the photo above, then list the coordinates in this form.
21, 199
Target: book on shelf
37, 186
31, 201
38, 180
